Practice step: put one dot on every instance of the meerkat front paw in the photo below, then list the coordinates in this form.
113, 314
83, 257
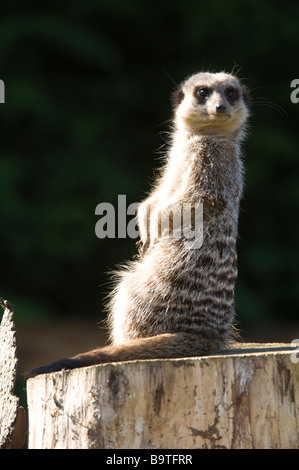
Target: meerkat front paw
155, 228
143, 217
161, 224
142, 246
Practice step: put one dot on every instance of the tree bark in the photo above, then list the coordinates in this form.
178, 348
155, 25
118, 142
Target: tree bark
12, 416
243, 398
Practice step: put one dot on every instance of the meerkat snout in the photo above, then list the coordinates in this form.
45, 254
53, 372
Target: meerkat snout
221, 108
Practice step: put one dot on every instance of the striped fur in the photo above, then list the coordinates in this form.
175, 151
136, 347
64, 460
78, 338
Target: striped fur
174, 300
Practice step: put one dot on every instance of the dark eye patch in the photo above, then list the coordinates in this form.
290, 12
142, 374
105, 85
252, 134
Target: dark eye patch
232, 94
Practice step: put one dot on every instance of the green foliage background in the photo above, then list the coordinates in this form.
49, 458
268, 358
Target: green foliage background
87, 103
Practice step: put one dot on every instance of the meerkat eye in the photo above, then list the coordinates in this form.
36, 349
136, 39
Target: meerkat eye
202, 92
231, 94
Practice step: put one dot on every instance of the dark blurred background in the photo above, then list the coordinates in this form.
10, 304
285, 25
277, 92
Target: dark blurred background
87, 87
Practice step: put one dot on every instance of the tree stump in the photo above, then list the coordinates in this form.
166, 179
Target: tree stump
243, 398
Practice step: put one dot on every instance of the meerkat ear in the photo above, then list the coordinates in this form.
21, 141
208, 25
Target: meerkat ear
177, 97
245, 95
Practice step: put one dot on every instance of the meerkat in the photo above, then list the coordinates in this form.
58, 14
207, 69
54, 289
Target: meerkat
176, 300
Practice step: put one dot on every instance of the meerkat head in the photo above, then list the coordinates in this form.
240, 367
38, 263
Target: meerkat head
210, 103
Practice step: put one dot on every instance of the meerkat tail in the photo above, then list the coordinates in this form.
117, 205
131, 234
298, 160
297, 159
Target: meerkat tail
164, 346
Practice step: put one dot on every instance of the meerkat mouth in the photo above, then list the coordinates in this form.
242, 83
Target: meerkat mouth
214, 116
221, 116
214, 119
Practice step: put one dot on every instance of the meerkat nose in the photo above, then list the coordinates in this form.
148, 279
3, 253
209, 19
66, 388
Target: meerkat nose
220, 108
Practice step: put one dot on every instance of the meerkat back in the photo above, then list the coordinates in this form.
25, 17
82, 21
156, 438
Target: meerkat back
177, 286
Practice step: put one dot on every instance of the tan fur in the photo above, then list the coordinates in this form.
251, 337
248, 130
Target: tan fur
174, 300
